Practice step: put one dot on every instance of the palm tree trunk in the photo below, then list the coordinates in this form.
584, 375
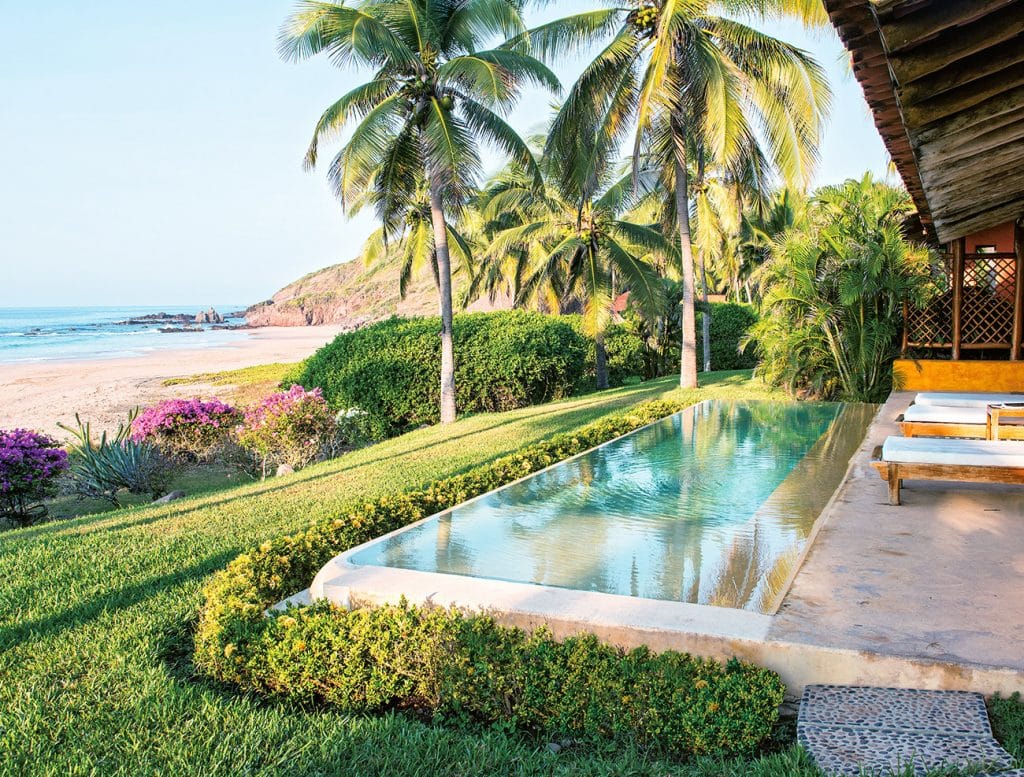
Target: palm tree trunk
444, 277
688, 360
705, 318
602, 361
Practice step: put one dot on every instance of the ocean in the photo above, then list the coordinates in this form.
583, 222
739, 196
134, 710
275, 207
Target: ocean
45, 334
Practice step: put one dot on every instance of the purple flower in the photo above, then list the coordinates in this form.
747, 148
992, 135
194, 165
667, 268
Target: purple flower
187, 427
29, 462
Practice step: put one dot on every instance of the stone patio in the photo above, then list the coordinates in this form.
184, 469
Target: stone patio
856, 730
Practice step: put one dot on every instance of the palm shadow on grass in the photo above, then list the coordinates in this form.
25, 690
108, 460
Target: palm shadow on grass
119, 599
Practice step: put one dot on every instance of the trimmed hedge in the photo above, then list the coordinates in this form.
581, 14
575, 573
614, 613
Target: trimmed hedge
625, 350
503, 360
729, 323
469, 668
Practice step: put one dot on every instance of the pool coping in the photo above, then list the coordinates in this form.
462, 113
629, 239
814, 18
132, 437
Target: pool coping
349, 584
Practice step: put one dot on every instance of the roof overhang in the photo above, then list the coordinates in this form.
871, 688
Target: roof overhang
945, 82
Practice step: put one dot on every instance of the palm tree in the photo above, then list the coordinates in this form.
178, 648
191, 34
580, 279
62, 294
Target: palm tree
691, 84
572, 244
761, 227
411, 244
434, 94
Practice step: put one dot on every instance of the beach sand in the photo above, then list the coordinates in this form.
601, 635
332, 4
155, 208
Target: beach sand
38, 395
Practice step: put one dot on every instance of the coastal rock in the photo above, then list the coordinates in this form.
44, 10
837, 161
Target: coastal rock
353, 295
172, 496
210, 316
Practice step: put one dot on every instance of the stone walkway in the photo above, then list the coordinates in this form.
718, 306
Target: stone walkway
881, 731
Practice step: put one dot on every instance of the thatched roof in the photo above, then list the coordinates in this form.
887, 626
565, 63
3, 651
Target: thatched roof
945, 81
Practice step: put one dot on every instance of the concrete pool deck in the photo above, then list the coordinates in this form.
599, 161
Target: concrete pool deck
929, 594
937, 580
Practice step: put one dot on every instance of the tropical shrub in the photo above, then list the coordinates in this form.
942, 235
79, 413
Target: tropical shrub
624, 351
469, 669
191, 429
101, 469
730, 323
505, 360
355, 427
461, 667
29, 466
291, 427
834, 291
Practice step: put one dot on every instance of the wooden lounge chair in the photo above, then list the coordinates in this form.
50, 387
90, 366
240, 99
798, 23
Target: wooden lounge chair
965, 399
957, 421
930, 458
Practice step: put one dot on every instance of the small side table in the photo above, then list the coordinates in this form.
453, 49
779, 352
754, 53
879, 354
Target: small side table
995, 413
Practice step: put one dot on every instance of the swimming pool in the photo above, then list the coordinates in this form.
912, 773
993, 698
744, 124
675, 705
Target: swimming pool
713, 505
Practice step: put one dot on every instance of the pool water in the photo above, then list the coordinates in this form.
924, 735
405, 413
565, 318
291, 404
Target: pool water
713, 505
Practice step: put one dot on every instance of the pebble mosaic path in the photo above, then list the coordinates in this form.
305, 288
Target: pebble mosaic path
884, 731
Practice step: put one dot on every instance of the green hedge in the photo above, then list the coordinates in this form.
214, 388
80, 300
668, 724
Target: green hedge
625, 350
503, 361
449, 665
729, 323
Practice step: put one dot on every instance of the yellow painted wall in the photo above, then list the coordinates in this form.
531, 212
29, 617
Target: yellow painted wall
929, 375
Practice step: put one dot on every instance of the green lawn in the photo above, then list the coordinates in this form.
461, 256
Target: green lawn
96, 616
244, 386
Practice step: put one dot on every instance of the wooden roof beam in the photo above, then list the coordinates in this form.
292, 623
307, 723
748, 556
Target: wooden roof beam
906, 30
955, 44
948, 231
958, 75
936, 156
1000, 105
939, 171
964, 98
981, 136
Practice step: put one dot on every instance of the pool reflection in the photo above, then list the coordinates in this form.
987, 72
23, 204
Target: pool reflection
712, 505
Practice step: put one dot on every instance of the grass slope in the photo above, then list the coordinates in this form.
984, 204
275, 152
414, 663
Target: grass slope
242, 386
96, 616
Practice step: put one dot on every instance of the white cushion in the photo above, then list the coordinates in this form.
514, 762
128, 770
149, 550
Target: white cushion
968, 399
941, 450
945, 415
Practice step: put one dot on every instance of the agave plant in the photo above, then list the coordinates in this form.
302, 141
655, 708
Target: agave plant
434, 94
102, 467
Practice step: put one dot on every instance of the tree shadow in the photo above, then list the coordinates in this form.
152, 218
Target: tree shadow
119, 599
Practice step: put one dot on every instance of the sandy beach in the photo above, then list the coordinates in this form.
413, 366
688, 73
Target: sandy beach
37, 395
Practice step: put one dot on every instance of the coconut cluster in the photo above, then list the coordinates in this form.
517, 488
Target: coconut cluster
645, 18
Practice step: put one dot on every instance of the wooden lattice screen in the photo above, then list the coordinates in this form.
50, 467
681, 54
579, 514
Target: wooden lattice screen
932, 325
986, 318
976, 303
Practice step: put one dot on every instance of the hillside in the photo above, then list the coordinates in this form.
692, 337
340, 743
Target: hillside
352, 295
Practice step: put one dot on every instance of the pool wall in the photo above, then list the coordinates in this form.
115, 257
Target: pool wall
702, 630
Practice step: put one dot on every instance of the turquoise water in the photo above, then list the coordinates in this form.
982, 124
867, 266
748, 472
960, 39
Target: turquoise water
712, 505
41, 334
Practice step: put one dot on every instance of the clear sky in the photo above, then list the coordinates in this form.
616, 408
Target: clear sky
150, 153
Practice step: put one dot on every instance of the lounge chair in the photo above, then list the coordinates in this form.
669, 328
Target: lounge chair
965, 399
955, 421
930, 458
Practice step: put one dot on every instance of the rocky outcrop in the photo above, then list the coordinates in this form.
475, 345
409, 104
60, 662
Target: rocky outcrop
210, 316
350, 295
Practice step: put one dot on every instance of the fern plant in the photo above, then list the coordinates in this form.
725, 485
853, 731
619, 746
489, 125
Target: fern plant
835, 287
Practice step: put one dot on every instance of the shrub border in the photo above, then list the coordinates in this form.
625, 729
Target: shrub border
234, 638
